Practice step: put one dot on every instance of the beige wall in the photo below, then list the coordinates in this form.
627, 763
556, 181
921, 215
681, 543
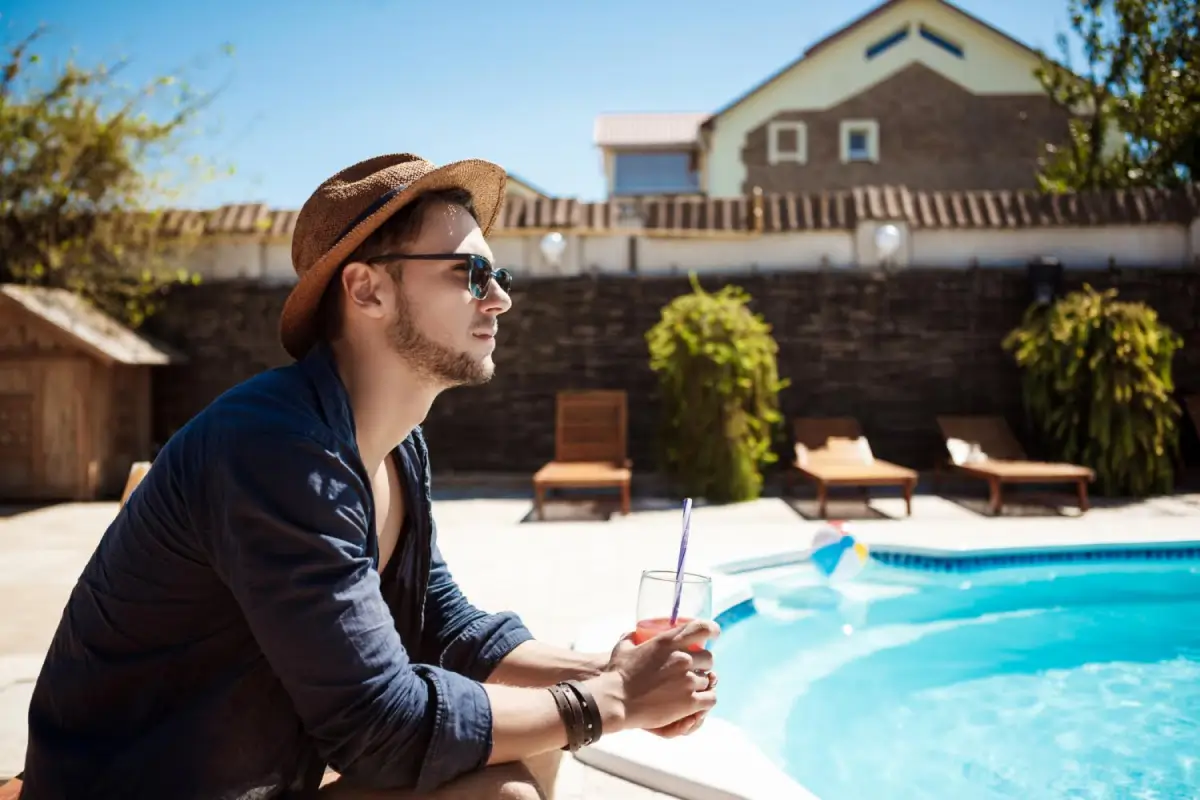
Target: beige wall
1144, 245
1128, 246
992, 65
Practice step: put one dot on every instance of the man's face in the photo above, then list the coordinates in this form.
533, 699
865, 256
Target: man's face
438, 326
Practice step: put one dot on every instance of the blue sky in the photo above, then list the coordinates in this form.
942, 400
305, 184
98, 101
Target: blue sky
315, 85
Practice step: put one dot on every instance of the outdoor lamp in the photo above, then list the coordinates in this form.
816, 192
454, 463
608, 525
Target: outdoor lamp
553, 245
1045, 279
887, 241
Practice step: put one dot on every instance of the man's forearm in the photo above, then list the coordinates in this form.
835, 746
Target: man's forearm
536, 664
526, 722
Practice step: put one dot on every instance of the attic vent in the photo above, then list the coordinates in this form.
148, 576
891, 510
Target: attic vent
887, 42
936, 39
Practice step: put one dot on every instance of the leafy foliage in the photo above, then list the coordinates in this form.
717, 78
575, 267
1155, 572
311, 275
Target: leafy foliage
1098, 384
84, 176
719, 382
1138, 102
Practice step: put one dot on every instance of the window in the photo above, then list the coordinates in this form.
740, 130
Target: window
938, 40
787, 142
887, 42
669, 172
860, 140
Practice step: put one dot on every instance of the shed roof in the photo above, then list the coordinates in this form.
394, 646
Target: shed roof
88, 326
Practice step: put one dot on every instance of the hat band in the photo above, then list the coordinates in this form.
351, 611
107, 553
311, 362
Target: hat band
371, 209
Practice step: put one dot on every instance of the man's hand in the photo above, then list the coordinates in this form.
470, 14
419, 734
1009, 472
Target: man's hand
657, 684
689, 724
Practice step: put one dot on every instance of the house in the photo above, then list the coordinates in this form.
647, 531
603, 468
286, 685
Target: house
519, 187
74, 397
916, 93
651, 154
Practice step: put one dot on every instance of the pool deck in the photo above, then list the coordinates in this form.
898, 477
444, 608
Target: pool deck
504, 561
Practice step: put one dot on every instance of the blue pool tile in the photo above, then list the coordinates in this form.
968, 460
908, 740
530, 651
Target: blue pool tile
736, 613
974, 563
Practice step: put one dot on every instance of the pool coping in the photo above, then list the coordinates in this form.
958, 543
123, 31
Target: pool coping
719, 761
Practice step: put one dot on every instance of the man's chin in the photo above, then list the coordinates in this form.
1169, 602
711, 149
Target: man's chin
480, 374
487, 369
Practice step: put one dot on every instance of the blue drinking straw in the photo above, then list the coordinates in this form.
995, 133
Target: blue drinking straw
687, 526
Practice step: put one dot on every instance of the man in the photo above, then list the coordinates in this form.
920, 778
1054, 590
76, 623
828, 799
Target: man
272, 599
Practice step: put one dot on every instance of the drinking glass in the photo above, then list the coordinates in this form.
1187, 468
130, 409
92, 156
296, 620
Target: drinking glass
656, 598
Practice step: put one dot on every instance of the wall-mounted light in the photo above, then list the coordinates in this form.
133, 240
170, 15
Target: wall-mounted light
1045, 275
553, 245
888, 239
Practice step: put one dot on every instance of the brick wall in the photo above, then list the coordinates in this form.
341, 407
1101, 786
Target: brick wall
933, 135
893, 351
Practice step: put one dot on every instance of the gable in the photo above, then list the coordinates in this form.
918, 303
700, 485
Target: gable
53, 318
940, 37
966, 49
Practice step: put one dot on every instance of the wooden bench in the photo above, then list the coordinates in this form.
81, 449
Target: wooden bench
590, 446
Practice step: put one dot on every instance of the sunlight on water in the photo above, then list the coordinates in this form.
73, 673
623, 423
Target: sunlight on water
1032, 683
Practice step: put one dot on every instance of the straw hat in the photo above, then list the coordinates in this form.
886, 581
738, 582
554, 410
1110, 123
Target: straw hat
347, 208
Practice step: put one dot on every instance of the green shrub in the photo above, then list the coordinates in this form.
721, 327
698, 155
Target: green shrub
1097, 385
719, 386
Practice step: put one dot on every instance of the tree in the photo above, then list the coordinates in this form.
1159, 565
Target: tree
1142, 87
85, 172
1098, 380
719, 385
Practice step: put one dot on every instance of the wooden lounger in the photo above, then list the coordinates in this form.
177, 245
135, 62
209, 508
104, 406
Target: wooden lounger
590, 449
137, 473
984, 447
833, 452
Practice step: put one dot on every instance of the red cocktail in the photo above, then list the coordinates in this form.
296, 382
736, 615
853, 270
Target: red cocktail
656, 601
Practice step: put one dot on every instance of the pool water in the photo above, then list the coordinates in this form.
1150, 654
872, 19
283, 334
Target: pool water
1054, 681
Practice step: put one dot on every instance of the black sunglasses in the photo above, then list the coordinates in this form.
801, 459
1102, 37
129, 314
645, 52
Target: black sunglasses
480, 272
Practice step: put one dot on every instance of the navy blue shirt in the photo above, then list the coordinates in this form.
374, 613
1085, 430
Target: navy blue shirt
231, 634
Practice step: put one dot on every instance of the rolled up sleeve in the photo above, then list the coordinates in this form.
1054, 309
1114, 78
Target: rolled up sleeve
291, 542
460, 637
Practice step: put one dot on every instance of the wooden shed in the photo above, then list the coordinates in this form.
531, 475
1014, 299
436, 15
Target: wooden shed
74, 397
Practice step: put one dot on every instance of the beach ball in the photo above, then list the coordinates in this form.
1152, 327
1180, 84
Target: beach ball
836, 554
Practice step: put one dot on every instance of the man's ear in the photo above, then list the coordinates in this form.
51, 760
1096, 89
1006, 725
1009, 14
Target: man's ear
366, 289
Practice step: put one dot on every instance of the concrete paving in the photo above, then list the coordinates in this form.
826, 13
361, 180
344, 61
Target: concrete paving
561, 574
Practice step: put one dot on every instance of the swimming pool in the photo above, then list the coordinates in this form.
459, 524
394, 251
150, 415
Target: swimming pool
1069, 674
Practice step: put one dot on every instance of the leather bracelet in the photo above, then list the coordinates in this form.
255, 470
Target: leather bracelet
593, 724
570, 710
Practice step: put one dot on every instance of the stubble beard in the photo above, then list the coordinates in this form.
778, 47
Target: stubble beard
435, 361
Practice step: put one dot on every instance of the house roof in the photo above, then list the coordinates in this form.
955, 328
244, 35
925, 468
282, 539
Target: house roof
647, 130
517, 179
844, 210
832, 210
88, 326
251, 218
842, 33
883, 8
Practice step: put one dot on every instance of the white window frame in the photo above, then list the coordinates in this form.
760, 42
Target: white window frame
777, 156
868, 126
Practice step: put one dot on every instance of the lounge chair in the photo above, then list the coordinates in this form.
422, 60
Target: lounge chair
590, 447
984, 447
833, 452
137, 473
